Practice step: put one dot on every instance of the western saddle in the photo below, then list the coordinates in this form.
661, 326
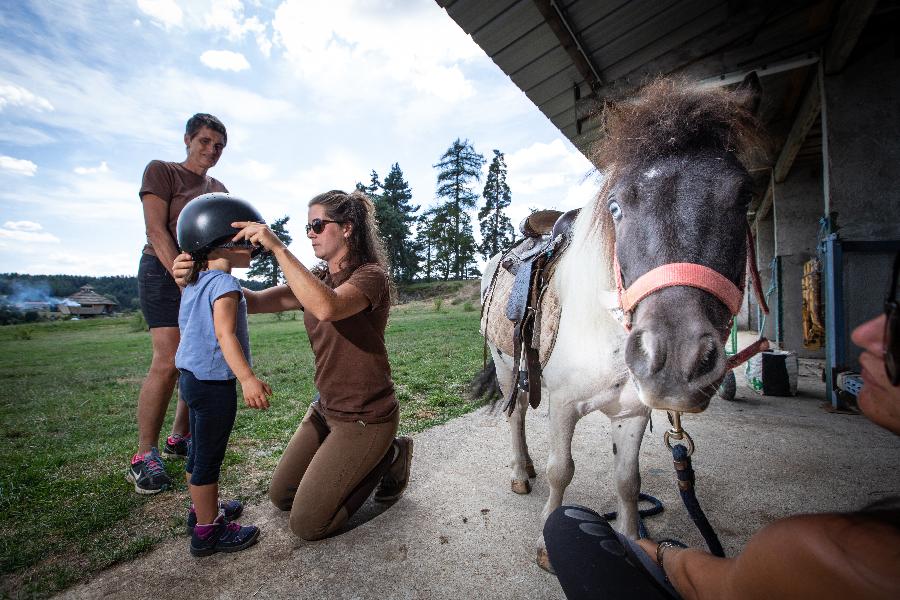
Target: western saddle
532, 262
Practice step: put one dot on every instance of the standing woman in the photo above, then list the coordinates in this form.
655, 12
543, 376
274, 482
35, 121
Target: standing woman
345, 444
165, 190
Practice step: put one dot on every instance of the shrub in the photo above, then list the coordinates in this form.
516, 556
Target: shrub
23, 333
468, 307
438, 302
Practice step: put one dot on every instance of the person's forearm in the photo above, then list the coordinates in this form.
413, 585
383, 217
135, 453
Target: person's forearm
697, 575
234, 356
315, 297
164, 246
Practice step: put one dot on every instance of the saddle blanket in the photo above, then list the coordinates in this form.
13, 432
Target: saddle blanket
498, 329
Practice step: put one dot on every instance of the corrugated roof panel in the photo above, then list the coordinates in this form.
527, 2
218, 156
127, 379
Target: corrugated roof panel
551, 87
473, 14
619, 24
527, 49
507, 27
649, 31
582, 15
695, 27
558, 103
537, 71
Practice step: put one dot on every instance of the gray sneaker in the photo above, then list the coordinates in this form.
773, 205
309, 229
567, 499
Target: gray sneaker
148, 474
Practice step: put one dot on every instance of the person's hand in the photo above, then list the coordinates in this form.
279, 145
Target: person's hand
181, 268
878, 399
256, 392
258, 234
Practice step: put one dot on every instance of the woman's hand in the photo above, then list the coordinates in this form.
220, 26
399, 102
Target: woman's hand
258, 234
181, 268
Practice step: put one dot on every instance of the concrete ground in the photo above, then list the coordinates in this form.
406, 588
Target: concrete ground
459, 532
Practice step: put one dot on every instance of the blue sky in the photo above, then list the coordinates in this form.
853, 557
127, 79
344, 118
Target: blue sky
314, 96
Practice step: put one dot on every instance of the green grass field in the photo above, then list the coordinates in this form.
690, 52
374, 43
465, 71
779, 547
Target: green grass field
67, 430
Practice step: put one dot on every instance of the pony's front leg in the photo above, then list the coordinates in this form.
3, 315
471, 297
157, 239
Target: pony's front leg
627, 434
560, 467
522, 467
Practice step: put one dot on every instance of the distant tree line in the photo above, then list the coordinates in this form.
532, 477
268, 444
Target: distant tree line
435, 243
121, 289
438, 242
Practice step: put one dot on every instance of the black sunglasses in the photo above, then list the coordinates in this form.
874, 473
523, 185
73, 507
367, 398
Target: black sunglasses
317, 225
892, 328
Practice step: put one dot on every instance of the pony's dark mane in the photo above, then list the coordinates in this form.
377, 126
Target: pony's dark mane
665, 119
669, 118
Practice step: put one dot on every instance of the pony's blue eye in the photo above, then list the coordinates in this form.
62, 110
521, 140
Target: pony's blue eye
615, 210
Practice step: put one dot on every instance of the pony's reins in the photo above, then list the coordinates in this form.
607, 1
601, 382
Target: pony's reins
732, 296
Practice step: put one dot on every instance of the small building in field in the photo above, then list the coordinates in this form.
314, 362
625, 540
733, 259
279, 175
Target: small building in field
86, 302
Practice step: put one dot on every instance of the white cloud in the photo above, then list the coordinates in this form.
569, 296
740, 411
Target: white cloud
101, 168
26, 231
22, 135
14, 95
541, 166
256, 170
136, 22
224, 60
358, 45
22, 226
18, 165
165, 12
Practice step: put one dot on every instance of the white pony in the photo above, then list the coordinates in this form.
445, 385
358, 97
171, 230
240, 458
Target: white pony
676, 192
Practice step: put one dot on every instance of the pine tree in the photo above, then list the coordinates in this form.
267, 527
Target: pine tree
395, 230
459, 166
265, 266
497, 233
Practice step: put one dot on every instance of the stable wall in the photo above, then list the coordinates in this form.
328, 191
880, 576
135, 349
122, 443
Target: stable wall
863, 125
798, 208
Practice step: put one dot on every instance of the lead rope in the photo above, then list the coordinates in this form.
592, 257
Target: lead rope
684, 472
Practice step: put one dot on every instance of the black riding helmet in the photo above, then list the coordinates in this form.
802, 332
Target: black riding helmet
205, 223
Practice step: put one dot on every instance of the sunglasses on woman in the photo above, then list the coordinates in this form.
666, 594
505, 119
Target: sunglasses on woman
892, 328
317, 225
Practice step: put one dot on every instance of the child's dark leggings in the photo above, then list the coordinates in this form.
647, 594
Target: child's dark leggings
213, 406
593, 561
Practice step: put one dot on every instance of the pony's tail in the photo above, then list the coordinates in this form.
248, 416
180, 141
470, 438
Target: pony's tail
484, 387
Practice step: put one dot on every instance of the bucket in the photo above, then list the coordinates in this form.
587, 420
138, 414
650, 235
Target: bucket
773, 373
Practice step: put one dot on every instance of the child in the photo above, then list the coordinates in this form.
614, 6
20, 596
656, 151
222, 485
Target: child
213, 352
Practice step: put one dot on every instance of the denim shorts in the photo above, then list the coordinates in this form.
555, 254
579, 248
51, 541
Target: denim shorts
213, 407
158, 292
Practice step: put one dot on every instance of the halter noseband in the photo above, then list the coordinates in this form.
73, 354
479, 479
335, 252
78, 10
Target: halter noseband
697, 276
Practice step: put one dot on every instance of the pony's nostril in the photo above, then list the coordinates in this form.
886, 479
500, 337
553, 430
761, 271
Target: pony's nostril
644, 354
708, 359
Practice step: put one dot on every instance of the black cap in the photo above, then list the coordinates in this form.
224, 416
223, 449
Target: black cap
205, 222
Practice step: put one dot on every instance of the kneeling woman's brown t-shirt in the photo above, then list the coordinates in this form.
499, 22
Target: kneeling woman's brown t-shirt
353, 375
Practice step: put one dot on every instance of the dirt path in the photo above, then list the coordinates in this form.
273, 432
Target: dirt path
460, 533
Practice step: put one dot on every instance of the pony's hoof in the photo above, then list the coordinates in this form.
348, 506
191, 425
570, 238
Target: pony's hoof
529, 468
521, 487
543, 561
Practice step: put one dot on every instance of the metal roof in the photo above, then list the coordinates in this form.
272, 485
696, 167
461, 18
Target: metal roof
569, 56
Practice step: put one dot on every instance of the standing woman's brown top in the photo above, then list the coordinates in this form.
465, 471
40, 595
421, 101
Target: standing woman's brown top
353, 374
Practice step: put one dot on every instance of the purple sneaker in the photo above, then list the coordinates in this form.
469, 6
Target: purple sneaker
220, 536
230, 509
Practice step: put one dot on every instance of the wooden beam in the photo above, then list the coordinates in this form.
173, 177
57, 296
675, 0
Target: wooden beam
555, 17
765, 206
806, 116
852, 18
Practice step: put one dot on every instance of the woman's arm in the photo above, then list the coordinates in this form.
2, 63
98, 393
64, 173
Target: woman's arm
808, 556
225, 309
318, 299
156, 221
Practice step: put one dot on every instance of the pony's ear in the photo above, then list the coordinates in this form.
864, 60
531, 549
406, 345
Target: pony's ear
749, 92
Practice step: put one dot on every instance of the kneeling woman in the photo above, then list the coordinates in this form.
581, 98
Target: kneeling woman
345, 444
